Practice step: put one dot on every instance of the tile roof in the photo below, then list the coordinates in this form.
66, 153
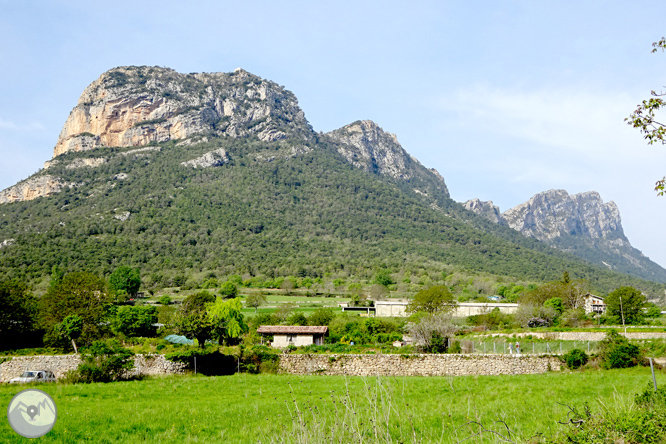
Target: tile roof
292, 329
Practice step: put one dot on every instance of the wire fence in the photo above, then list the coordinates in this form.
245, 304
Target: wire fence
519, 347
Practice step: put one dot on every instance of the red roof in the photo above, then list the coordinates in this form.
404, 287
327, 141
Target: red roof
292, 329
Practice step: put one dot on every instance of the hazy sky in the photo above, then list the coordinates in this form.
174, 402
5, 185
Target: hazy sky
505, 99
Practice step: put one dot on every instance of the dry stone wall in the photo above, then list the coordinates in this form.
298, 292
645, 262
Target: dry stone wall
417, 365
61, 364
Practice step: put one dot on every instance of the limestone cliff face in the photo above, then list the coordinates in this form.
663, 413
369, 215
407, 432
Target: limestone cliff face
32, 188
133, 106
367, 146
555, 213
486, 209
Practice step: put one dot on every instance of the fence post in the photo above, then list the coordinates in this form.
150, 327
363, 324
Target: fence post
588, 347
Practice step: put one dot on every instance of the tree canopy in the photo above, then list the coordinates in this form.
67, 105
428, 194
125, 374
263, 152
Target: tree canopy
80, 293
626, 301
125, 279
437, 299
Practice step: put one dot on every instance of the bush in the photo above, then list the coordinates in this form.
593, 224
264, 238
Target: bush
575, 358
105, 361
135, 321
164, 300
617, 352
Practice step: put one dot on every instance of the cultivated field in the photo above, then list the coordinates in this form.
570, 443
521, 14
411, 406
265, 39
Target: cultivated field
262, 408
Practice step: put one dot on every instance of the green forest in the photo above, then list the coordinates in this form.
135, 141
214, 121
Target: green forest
303, 215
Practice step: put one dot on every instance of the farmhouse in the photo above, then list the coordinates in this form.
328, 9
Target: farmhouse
296, 335
594, 304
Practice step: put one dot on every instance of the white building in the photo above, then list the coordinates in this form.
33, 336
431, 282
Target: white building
594, 304
463, 309
296, 335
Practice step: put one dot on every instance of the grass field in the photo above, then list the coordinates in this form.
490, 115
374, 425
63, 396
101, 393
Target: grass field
256, 408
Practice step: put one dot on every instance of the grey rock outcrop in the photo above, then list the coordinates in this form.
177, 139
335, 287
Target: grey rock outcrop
32, 188
486, 209
133, 106
367, 146
555, 213
210, 159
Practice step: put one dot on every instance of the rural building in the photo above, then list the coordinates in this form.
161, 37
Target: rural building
463, 309
594, 304
296, 335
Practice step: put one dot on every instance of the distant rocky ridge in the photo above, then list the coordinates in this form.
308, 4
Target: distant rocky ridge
581, 224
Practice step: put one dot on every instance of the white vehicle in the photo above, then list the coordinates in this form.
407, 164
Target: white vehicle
34, 376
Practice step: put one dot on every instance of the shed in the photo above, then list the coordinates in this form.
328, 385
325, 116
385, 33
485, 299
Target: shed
296, 335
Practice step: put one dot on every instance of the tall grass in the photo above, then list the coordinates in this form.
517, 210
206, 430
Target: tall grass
294, 409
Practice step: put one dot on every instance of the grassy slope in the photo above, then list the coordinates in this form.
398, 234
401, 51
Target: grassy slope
248, 409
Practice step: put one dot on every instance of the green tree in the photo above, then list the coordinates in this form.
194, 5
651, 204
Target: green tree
18, 310
197, 301
80, 293
196, 325
125, 279
297, 318
383, 277
627, 302
228, 290
437, 299
229, 322
645, 119
133, 321
255, 300
321, 316
193, 320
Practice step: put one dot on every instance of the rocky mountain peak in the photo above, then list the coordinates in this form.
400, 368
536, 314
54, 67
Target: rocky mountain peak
554, 213
365, 145
133, 106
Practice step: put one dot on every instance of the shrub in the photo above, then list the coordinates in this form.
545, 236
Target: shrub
617, 352
228, 290
105, 361
575, 358
164, 300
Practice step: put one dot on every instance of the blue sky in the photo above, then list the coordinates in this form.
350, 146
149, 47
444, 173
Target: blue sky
505, 99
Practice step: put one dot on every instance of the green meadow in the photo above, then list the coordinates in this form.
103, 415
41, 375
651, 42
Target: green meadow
247, 408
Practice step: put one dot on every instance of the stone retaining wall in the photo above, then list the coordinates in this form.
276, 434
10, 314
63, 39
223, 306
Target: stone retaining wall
582, 335
417, 365
61, 364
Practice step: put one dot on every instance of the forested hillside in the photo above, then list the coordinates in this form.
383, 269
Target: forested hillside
308, 213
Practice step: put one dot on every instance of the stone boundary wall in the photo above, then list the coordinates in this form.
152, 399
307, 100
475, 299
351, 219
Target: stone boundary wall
417, 364
61, 364
580, 335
